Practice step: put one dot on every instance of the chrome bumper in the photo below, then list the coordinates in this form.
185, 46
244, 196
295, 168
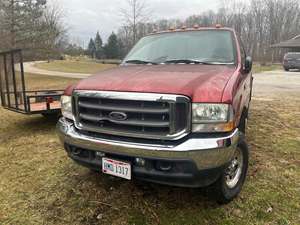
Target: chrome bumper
207, 153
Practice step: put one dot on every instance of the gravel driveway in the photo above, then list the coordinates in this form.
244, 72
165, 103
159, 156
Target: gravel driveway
275, 83
29, 67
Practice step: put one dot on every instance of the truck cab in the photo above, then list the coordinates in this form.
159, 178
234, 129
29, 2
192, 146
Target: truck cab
174, 112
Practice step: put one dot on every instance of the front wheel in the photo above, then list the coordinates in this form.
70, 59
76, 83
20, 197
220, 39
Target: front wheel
229, 185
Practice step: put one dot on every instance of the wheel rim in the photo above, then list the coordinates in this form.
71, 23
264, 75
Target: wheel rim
233, 172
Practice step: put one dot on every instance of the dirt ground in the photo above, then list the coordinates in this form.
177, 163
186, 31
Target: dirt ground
40, 185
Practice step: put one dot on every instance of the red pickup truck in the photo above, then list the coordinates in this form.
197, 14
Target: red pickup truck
174, 112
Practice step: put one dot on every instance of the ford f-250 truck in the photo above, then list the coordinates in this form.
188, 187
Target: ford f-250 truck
174, 112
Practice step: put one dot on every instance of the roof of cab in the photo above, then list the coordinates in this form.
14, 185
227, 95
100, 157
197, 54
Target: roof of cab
195, 28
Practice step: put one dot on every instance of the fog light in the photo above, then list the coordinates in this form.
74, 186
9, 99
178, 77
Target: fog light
140, 162
164, 166
100, 154
76, 151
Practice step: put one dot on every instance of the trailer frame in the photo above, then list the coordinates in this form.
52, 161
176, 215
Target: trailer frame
13, 93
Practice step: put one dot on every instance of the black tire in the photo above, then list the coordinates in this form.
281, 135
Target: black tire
243, 123
221, 191
51, 116
93, 170
286, 69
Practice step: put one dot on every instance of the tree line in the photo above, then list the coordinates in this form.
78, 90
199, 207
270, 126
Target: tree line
113, 49
260, 23
38, 27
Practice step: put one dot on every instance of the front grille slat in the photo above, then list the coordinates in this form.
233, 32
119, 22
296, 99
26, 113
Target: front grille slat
149, 123
123, 108
151, 116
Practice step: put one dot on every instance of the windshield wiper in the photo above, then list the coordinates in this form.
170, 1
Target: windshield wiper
137, 61
194, 61
186, 61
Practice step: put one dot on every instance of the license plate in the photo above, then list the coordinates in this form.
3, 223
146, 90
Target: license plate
116, 168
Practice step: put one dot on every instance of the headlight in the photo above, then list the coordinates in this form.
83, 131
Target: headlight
212, 118
66, 107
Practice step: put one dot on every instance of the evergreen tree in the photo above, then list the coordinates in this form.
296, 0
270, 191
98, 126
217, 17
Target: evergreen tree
122, 49
112, 48
99, 46
32, 25
91, 48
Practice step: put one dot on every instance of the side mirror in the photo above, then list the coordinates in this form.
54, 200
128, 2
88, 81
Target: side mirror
248, 64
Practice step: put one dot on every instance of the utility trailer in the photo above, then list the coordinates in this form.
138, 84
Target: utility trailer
13, 93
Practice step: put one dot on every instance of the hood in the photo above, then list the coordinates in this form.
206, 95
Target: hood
202, 83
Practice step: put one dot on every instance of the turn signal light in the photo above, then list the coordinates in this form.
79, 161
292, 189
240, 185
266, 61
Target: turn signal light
228, 126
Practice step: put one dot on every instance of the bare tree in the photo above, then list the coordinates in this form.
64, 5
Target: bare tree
53, 31
260, 24
32, 25
136, 13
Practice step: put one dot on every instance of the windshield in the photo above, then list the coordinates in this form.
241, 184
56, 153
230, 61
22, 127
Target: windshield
207, 46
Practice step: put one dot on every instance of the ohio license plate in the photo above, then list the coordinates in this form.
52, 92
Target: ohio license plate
116, 168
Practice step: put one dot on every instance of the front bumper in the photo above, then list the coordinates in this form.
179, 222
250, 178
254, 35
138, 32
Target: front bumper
203, 157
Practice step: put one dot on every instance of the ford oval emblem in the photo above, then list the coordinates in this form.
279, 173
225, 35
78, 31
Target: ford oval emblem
119, 116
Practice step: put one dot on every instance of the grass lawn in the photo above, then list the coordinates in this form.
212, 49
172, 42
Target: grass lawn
259, 69
73, 66
41, 82
39, 184
86, 66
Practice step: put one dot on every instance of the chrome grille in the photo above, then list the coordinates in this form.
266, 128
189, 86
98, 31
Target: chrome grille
144, 115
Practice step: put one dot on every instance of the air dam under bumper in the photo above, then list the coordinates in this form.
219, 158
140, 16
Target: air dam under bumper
204, 158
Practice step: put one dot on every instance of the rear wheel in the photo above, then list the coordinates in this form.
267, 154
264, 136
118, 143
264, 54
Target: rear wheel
229, 185
286, 69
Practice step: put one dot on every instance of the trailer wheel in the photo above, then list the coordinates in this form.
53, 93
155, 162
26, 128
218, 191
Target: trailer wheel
51, 116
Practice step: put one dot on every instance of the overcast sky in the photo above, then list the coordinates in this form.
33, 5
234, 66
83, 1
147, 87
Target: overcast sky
85, 17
